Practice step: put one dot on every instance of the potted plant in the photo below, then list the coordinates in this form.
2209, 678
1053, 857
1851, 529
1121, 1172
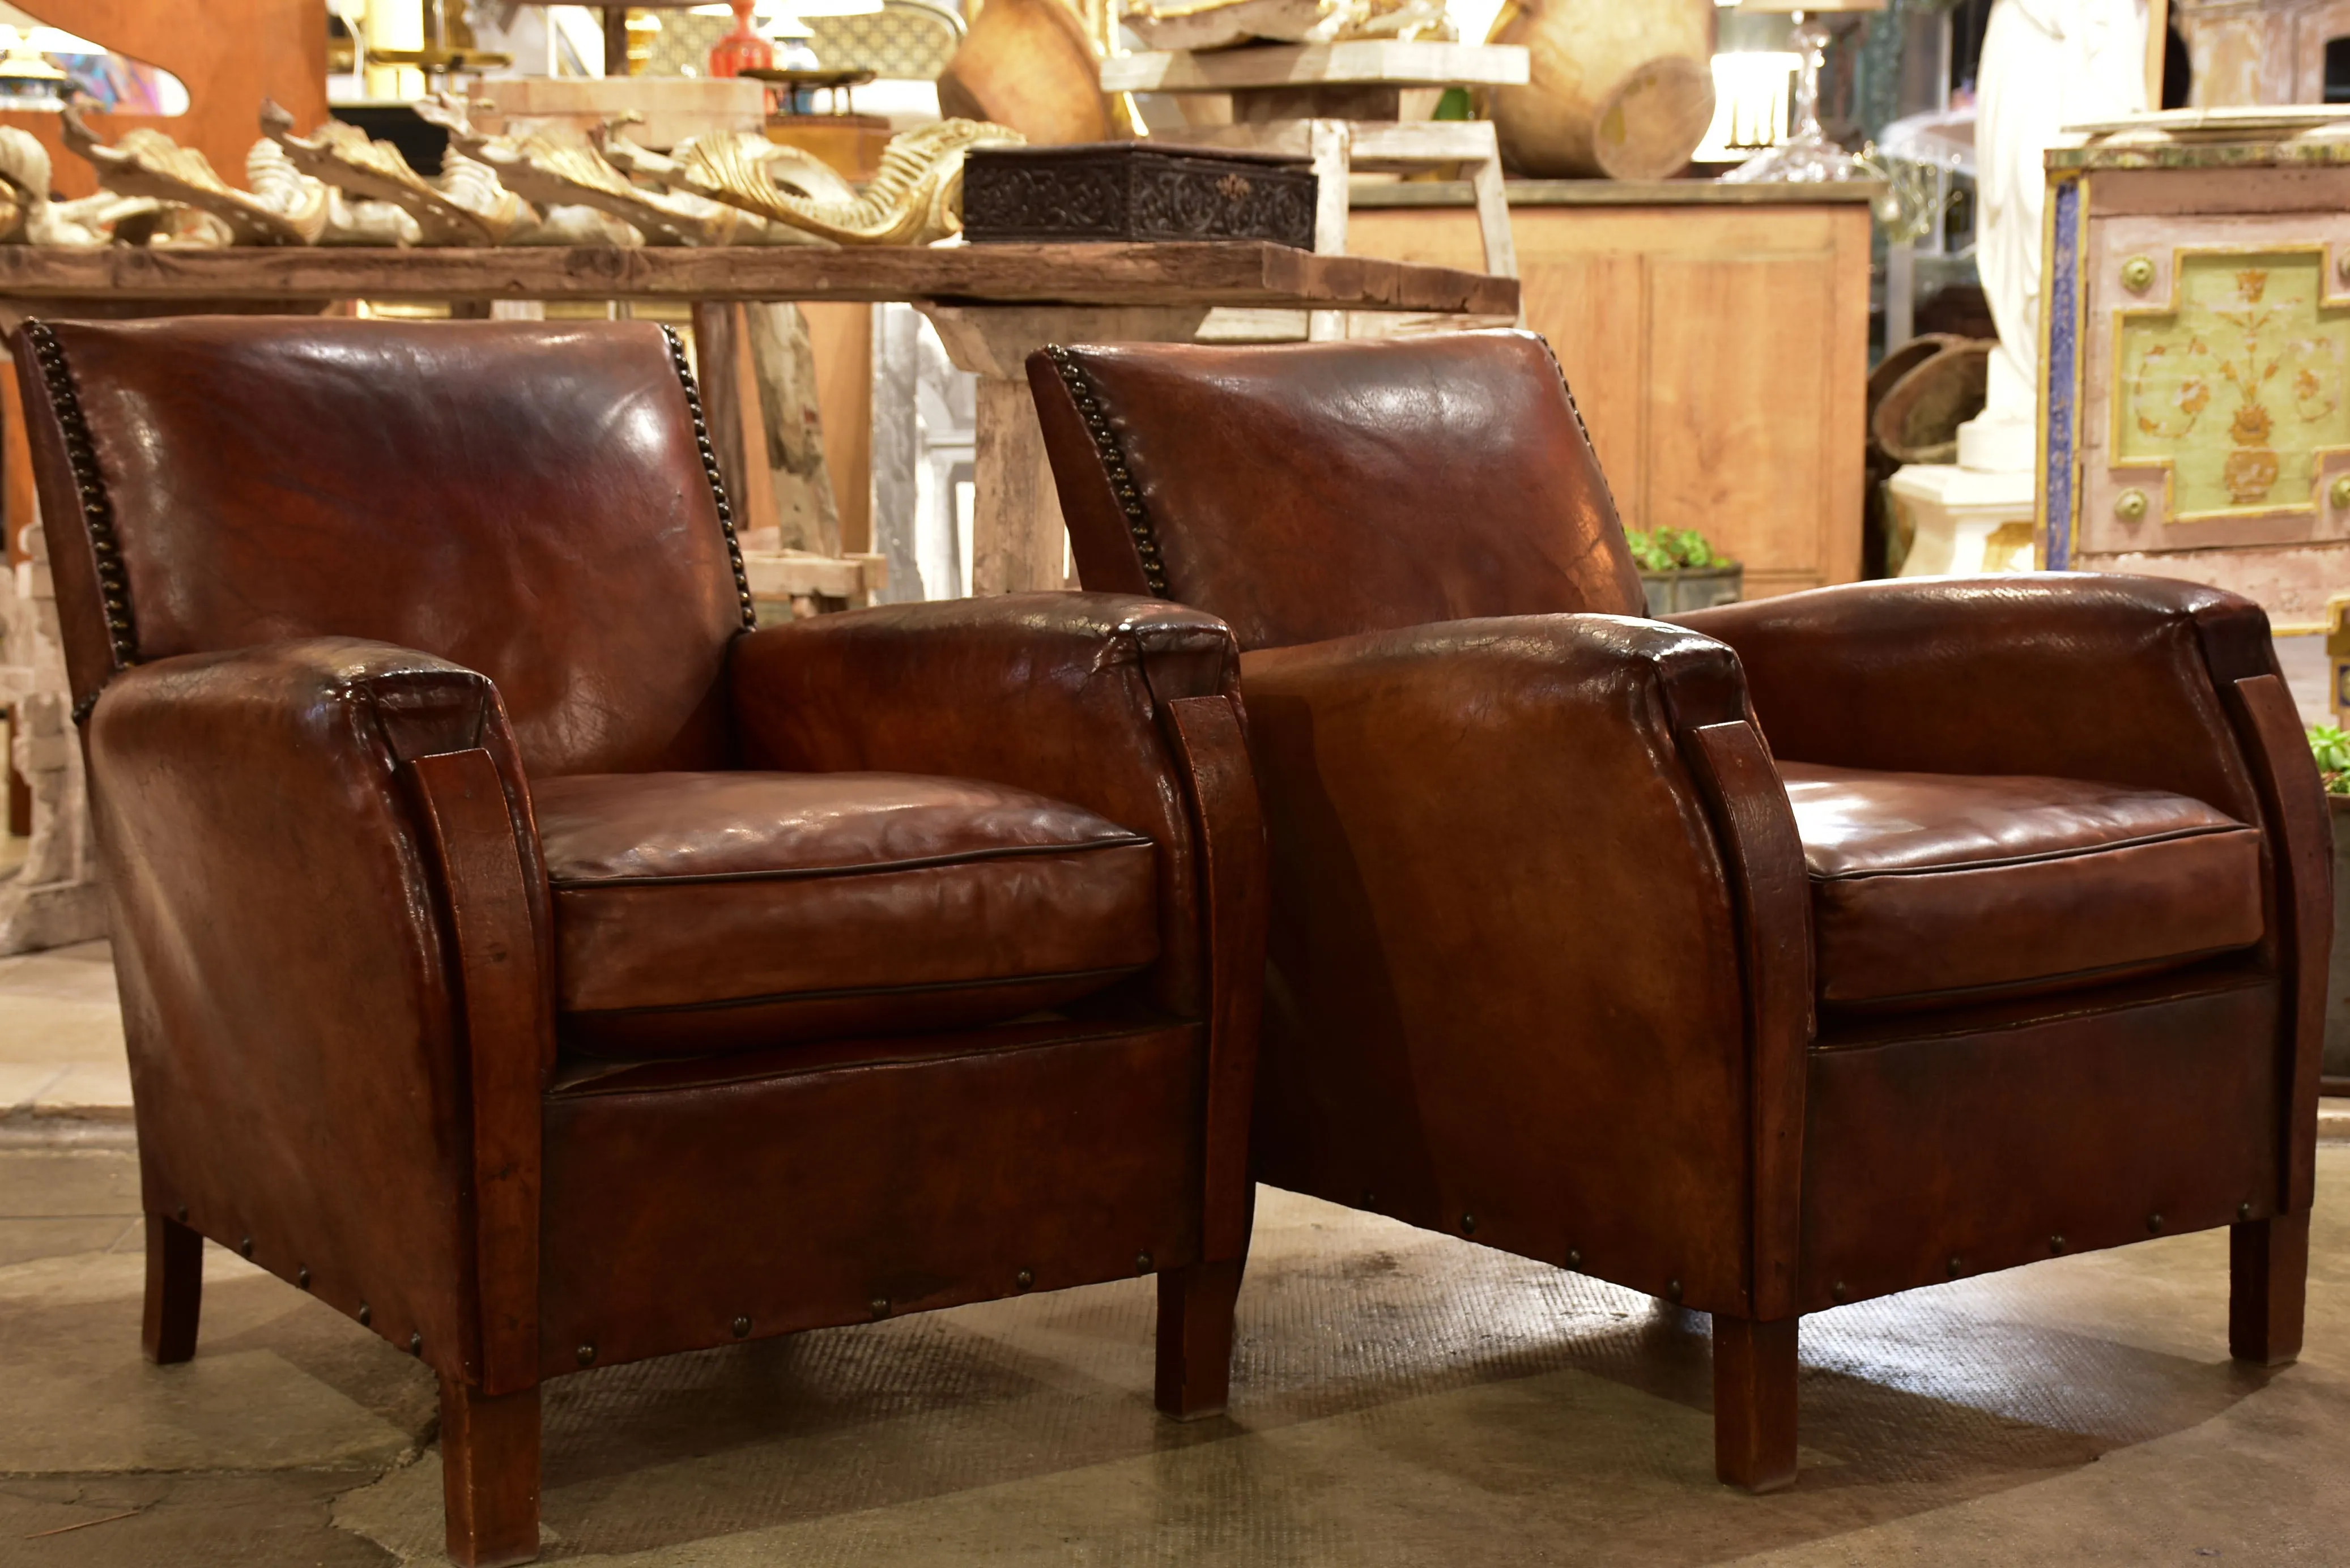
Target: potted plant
2330, 744
1681, 571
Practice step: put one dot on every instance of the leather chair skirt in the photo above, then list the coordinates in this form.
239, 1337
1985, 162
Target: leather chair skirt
705, 912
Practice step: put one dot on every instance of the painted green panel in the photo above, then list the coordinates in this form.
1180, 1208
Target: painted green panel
2240, 386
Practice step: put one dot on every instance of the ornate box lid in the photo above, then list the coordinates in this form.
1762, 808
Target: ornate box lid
1131, 191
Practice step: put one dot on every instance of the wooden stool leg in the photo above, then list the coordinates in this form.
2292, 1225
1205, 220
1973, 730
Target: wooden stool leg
1195, 1338
1493, 218
489, 1474
2268, 1274
1329, 142
1754, 1403
175, 1290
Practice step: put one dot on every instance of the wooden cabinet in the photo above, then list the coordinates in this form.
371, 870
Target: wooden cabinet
1716, 339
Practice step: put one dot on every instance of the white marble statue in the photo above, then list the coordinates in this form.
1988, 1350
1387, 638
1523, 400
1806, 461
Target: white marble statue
2046, 64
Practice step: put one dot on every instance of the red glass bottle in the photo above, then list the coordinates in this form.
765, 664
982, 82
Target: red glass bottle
742, 50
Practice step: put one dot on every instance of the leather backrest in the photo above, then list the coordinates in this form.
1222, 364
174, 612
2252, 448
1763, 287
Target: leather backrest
527, 499
1320, 490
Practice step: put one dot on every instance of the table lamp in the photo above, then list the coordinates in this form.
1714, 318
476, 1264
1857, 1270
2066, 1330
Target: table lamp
1807, 154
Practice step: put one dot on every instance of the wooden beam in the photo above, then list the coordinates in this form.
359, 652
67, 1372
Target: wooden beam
1384, 60
1240, 273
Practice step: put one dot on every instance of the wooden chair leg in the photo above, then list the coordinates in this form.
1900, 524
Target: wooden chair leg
2268, 1274
1754, 1403
489, 1474
1195, 1338
175, 1290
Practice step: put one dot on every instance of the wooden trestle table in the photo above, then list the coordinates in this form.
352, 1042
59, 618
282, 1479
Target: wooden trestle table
992, 306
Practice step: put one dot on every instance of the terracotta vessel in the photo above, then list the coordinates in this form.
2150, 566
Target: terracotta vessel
1622, 88
1028, 64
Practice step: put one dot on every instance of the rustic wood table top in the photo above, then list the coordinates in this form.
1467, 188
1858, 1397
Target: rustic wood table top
1244, 274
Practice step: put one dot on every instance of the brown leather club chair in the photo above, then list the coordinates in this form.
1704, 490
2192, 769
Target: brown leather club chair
529, 959
1811, 950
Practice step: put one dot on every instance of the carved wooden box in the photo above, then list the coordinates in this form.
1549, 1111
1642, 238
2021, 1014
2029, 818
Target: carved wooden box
2195, 356
1126, 191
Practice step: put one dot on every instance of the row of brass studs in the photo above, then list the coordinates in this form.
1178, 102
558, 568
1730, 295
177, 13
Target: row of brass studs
1129, 498
97, 511
717, 484
2056, 1245
1573, 1254
366, 1315
1573, 408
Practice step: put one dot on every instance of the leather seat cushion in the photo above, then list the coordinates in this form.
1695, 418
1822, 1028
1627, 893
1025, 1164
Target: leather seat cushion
1929, 888
702, 912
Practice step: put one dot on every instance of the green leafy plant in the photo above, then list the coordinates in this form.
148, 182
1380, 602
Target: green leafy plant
1671, 549
2330, 744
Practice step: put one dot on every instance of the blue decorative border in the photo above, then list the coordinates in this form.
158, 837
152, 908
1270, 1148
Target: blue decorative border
2059, 372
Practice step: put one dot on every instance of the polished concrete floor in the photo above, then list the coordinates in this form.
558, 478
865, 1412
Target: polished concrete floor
1402, 1398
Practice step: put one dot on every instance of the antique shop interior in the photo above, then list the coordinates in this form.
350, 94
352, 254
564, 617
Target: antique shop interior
1339, 783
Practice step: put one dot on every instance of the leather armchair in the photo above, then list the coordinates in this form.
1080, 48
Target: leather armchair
1805, 951
525, 956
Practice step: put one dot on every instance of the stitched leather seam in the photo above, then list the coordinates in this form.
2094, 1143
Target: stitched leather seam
922, 988
1895, 1006
709, 471
809, 873
96, 510
1113, 460
2040, 859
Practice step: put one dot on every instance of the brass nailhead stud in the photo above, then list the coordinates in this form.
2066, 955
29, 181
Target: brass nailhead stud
1468, 1224
2339, 493
2056, 1243
244, 1247
366, 1315
301, 1276
742, 1328
416, 1344
2137, 274
1954, 1268
586, 1355
1672, 1290
880, 1305
1023, 1279
2130, 505
1574, 1257
1837, 1291
1142, 1263
2243, 1210
2153, 1224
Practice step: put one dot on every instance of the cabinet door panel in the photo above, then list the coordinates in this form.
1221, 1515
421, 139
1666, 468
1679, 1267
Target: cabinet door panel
1737, 347
1590, 308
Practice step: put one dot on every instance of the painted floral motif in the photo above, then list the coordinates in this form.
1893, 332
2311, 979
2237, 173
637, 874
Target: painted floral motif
2252, 335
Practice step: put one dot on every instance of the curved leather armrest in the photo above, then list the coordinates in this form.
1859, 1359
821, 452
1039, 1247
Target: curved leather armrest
2076, 675
1506, 872
294, 978
1022, 688
1059, 693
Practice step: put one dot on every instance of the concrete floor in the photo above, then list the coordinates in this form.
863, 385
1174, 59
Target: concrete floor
1402, 1398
